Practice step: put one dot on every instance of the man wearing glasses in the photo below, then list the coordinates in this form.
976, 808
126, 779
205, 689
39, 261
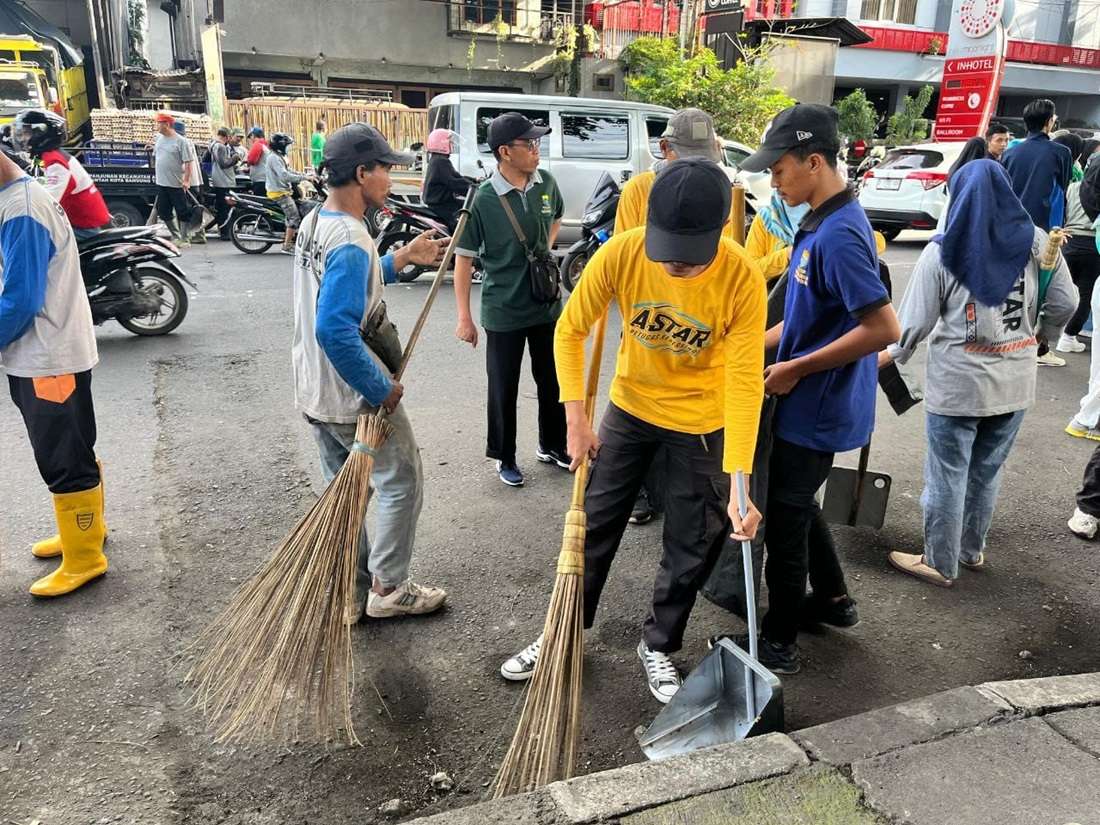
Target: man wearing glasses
511, 313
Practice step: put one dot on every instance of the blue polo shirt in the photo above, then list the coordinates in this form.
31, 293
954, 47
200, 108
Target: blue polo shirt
833, 280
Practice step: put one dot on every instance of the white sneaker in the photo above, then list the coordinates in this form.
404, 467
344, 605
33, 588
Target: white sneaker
1069, 343
661, 675
407, 599
521, 667
1051, 360
1083, 525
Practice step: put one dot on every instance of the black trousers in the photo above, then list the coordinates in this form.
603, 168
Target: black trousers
171, 199
259, 188
1088, 497
1084, 266
696, 521
504, 360
60, 421
221, 209
794, 475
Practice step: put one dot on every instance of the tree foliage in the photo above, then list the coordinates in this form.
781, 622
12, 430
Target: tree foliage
909, 125
742, 100
858, 118
135, 34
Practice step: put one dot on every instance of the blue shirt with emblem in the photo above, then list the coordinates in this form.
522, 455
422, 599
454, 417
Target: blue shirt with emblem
833, 280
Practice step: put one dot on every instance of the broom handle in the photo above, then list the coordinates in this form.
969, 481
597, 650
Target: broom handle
444, 265
580, 479
750, 600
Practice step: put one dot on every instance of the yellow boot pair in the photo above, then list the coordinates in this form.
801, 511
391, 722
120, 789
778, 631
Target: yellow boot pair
51, 547
81, 533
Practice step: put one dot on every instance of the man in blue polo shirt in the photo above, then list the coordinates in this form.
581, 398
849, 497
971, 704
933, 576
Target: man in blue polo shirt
837, 316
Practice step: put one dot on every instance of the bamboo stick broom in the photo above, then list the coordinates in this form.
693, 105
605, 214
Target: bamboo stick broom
276, 665
544, 746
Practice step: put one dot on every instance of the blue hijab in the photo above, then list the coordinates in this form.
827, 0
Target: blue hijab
781, 220
988, 238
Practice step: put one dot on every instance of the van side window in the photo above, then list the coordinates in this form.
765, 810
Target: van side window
442, 117
655, 127
599, 137
485, 114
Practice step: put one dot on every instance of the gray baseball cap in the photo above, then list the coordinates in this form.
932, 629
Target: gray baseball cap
691, 133
356, 144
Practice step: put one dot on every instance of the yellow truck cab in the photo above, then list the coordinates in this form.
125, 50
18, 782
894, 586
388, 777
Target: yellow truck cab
32, 76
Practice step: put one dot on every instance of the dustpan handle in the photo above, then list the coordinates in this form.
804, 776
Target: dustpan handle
750, 599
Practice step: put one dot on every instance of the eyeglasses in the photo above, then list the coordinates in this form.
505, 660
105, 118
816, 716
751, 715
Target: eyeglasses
530, 144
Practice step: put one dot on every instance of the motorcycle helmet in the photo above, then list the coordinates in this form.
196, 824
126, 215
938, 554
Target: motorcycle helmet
280, 142
37, 131
441, 141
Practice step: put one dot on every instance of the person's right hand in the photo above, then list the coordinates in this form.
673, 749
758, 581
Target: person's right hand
185, 186
581, 441
390, 402
466, 331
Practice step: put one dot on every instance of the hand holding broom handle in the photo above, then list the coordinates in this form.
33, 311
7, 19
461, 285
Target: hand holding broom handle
444, 265
1048, 263
750, 598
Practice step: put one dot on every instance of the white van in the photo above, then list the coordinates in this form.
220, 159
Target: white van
589, 137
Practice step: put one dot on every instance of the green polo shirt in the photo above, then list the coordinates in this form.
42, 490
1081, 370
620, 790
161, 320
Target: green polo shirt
506, 300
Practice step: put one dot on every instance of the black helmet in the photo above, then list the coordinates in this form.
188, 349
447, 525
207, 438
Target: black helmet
37, 131
280, 142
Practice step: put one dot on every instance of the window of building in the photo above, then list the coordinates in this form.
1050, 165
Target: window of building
896, 11
598, 137
655, 127
487, 11
603, 83
485, 115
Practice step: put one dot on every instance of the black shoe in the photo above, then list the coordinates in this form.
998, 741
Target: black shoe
553, 457
842, 614
643, 513
783, 660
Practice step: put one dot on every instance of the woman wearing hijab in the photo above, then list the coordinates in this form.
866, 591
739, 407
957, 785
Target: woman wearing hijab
772, 234
974, 296
444, 188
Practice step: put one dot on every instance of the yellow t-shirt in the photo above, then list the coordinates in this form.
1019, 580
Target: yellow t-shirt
770, 253
691, 357
634, 204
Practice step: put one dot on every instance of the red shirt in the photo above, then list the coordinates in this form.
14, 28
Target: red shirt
255, 151
74, 189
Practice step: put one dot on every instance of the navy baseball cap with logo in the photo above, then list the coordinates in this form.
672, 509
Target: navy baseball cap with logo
505, 128
791, 128
357, 144
689, 205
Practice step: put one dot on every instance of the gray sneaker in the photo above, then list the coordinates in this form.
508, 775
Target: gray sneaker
521, 667
660, 674
408, 599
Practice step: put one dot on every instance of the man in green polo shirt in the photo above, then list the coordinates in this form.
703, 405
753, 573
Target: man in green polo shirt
510, 313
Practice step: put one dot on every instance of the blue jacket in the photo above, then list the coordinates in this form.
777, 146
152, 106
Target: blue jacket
1040, 171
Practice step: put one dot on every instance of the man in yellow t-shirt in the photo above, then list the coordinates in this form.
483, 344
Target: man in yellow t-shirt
688, 378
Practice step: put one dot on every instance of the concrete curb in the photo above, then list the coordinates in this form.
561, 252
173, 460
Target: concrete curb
865, 739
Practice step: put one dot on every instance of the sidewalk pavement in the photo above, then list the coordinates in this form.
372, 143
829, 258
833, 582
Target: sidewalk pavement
1024, 752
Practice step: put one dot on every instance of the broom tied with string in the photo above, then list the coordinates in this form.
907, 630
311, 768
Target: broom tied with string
544, 746
277, 664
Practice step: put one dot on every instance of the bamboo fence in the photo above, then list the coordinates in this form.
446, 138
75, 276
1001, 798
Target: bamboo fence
400, 125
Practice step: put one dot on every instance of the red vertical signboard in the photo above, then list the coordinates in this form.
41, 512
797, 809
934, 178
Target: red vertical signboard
973, 68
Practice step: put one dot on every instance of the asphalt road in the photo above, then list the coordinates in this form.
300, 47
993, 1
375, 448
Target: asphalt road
208, 466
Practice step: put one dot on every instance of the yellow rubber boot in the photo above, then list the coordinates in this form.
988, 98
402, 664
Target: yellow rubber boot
51, 547
80, 524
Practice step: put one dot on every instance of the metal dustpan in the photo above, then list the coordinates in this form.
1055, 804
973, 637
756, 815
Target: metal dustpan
728, 697
858, 497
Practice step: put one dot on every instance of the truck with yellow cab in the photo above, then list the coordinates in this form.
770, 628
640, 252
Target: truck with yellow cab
38, 74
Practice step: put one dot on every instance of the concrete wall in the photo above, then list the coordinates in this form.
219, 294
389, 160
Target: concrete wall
71, 16
158, 37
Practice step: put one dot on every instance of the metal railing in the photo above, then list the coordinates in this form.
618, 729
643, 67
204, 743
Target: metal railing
263, 89
520, 20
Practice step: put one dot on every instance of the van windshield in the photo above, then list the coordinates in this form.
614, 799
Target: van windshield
19, 90
485, 115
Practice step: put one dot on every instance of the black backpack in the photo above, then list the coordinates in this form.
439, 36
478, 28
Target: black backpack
1090, 191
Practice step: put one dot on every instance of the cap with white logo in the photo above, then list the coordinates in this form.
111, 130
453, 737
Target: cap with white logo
791, 128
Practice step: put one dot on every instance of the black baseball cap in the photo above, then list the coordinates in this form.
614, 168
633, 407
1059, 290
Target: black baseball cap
689, 205
791, 128
505, 128
356, 144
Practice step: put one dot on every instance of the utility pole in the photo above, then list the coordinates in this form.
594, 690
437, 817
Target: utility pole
580, 46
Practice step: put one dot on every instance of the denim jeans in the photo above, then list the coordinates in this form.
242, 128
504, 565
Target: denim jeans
962, 474
397, 485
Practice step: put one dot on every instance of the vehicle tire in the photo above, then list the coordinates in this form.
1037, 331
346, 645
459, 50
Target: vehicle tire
572, 266
393, 242
173, 299
377, 220
891, 233
124, 214
247, 222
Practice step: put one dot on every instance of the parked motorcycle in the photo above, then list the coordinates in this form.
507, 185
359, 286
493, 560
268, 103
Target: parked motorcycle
130, 277
405, 222
257, 223
597, 224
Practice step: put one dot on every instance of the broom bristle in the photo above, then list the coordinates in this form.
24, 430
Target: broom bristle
544, 747
276, 665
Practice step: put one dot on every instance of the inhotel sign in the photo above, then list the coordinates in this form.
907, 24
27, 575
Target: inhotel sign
973, 68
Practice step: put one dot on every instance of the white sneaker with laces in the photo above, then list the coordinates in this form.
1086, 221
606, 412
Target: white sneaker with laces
660, 674
1069, 343
521, 667
407, 599
1051, 360
1084, 525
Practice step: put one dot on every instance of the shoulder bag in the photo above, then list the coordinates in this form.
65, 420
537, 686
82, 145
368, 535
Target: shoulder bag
542, 270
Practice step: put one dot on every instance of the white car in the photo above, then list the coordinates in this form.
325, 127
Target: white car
907, 190
758, 185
